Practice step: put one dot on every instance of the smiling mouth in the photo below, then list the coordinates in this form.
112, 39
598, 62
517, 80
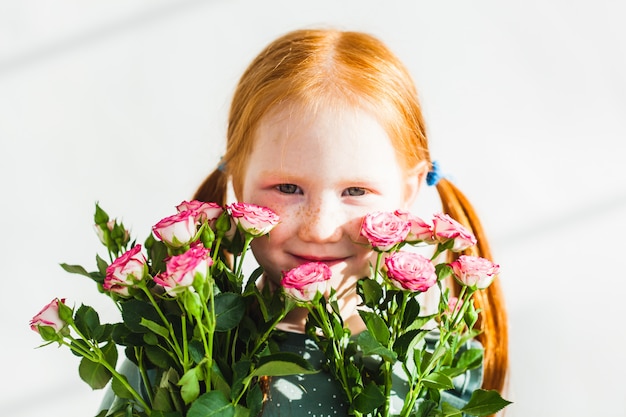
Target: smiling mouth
302, 259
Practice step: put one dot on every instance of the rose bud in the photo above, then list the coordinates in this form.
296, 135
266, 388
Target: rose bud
445, 228
177, 230
384, 230
182, 270
49, 316
410, 271
252, 219
307, 282
125, 271
420, 231
474, 272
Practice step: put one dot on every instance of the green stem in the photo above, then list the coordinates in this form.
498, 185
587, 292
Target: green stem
95, 355
246, 245
207, 336
172, 341
319, 311
144, 374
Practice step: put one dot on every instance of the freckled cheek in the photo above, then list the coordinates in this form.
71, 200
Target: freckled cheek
354, 230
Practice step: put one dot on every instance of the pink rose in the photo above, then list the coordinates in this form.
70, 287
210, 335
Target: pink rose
49, 316
181, 270
420, 230
410, 271
125, 271
177, 230
252, 219
445, 228
384, 230
203, 212
305, 282
474, 272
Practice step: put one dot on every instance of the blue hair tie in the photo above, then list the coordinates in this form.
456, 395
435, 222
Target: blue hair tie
434, 175
221, 166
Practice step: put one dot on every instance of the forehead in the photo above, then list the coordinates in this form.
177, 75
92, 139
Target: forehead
346, 142
318, 131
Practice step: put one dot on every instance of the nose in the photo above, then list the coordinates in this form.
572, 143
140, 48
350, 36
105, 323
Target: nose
321, 221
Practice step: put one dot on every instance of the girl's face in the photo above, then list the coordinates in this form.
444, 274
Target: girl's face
321, 173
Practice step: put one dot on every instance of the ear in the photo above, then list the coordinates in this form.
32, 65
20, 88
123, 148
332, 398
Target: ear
414, 179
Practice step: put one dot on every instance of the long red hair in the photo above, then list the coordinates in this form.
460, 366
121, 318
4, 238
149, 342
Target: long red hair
314, 68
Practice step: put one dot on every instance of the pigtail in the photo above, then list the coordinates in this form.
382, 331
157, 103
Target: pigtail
493, 319
214, 188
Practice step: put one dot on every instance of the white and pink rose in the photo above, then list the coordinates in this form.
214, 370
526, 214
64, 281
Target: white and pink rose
252, 219
384, 230
419, 231
203, 211
410, 271
181, 270
177, 230
445, 229
126, 271
49, 316
474, 272
306, 282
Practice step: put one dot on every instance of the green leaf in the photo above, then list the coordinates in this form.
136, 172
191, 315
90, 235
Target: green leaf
120, 389
159, 357
376, 326
425, 408
369, 398
190, 385
418, 323
229, 310
371, 346
95, 374
210, 404
449, 411
102, 267
240, 372
484, 403
404, 343
241, 411
282, 364
87, 320
470, 359
370, 291
135, 311
411, 312
75, 269
155, 327
443, 270
196, 350
254, 399
157, 253
438, 380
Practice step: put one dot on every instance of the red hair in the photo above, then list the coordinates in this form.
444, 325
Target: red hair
314, 68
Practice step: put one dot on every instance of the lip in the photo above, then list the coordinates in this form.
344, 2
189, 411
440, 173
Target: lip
328, 260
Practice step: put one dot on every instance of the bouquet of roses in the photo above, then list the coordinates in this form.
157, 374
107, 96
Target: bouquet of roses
425, 352
200, 333
197, 330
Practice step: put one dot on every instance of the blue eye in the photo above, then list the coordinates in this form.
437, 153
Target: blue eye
288, 188
354, 192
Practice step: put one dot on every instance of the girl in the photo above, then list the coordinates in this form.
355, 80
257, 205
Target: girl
324, 127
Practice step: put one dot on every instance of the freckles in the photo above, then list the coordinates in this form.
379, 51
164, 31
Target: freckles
307, 217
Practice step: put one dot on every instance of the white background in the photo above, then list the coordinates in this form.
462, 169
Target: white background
124, 102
